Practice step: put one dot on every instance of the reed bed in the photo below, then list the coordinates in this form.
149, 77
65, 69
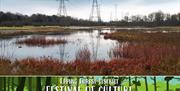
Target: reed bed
41, 42
144, 36
5, 66
45, 66
131, 59
158, 58
144, 59
83, 54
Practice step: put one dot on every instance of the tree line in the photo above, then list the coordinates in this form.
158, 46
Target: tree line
154, 19
11, 19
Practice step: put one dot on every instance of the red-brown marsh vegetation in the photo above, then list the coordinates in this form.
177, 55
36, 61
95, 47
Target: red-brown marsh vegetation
137, 59
148, 54
143, 36
41, 41
159, 52
83, 55
46, 66
156, 58
5, 66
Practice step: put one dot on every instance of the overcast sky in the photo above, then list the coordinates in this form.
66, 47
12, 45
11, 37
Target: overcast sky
81, 8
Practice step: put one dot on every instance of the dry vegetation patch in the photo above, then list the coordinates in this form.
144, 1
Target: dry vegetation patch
41, 42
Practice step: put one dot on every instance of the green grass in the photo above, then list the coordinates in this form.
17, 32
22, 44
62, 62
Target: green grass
28, 27
169, 28
9, 32
17, 28
161, 86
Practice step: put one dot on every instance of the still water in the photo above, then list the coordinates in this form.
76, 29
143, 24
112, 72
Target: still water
92, 40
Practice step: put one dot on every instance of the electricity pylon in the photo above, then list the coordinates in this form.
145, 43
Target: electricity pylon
62, 8
95, 10
116, 18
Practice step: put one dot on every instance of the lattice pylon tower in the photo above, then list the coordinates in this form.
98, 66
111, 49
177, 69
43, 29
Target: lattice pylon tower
62, 8
116, 17
95, 11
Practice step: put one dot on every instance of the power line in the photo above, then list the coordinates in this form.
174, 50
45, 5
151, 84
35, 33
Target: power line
62, 8
111, 17
95, 10
0, 4
179, 6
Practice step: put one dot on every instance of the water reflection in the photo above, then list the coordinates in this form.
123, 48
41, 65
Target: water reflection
118, 51
5, 49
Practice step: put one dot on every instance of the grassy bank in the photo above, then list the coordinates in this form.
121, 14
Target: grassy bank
28, 27
24, 30
145, 36
9, 32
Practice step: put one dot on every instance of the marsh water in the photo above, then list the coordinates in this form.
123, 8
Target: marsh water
91, 40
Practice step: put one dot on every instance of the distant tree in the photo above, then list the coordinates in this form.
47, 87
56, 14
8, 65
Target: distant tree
126, 19
154, 19
145, 19
179, 17
174, 19
151, 17
159, 17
